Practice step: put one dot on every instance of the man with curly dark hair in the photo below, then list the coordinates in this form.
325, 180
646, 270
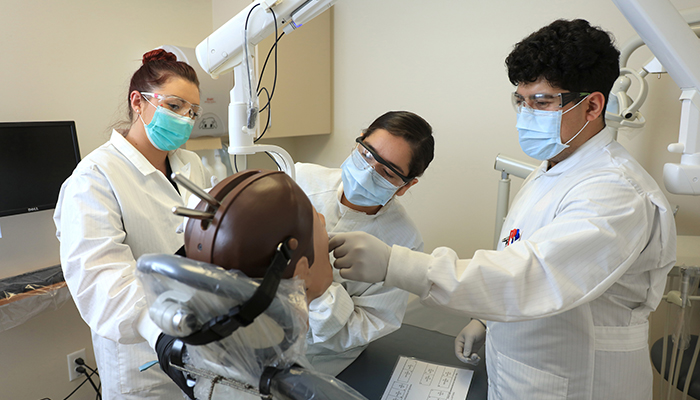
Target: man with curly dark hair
586, 245
567, 62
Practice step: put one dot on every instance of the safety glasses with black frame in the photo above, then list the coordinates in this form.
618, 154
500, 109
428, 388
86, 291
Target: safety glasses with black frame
373, 159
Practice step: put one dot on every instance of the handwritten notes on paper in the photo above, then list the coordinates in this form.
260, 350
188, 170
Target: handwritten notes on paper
413, 379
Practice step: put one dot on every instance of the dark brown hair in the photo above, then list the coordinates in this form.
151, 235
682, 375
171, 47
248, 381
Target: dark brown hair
415, 130
570, 55
158, 66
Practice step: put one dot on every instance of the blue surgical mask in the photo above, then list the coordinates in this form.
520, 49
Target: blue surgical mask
363, 186
168, 130
539, 132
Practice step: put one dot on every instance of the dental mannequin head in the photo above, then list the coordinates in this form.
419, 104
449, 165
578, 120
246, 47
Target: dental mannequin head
259, 210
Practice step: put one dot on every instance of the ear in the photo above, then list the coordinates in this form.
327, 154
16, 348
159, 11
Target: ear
596, 106
135, 101
405, 187
302, 270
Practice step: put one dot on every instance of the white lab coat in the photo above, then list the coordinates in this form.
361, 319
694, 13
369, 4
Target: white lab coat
350, 314
114, 208
574, 293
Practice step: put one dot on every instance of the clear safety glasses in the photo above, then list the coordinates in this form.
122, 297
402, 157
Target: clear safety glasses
545, 101
382, 167
175, 104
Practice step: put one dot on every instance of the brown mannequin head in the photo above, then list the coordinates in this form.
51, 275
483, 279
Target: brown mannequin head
259, 210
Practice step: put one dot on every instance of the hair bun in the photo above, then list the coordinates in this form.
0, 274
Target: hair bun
158, 55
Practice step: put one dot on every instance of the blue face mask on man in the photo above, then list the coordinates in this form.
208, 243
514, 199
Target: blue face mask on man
362, 185
168, 130
539, 132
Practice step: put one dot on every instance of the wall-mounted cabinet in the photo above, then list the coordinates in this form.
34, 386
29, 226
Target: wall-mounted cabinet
302, 101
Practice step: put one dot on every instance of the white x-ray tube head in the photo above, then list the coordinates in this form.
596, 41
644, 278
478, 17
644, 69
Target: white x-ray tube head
228, 48
224, 49
673, 42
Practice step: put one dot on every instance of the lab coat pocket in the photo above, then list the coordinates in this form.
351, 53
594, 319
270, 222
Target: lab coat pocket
130, 357
520, 381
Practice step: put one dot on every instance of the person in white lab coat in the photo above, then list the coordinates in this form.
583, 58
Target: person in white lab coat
362, 195
115, 207
586, 246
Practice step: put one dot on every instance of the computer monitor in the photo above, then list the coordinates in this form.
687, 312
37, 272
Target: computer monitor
35, 159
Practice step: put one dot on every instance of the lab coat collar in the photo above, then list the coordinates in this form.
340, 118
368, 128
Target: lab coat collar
586, 151
177, 165
141, 162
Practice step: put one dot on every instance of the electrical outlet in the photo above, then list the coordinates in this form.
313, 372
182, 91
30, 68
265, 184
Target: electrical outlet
72, 373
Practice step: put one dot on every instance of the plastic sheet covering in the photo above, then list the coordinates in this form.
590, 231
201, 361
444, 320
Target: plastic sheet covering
24, 296
177, 288
297, 383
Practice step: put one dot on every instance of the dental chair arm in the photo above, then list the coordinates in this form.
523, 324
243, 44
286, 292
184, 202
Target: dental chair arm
170, 351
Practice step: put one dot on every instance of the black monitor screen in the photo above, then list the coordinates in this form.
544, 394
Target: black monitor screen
35, 159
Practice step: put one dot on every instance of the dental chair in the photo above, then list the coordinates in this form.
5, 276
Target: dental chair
238, 337
674, 356
192, 300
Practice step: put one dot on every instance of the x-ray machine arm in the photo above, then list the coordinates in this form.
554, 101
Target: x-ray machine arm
231, 48
676, 46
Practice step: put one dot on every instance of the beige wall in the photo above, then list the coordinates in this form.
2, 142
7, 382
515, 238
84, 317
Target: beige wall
71, 60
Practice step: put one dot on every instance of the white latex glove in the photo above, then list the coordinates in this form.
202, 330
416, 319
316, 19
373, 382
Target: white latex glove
469, 341
360, 256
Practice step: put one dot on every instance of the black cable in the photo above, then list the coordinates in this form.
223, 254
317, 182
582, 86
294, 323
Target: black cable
81, 369
275, 161
269, 115
76, 389
274, 80
274, 46
249, 12
247, 61
87, 376
235, 163
274, 85
268, 105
